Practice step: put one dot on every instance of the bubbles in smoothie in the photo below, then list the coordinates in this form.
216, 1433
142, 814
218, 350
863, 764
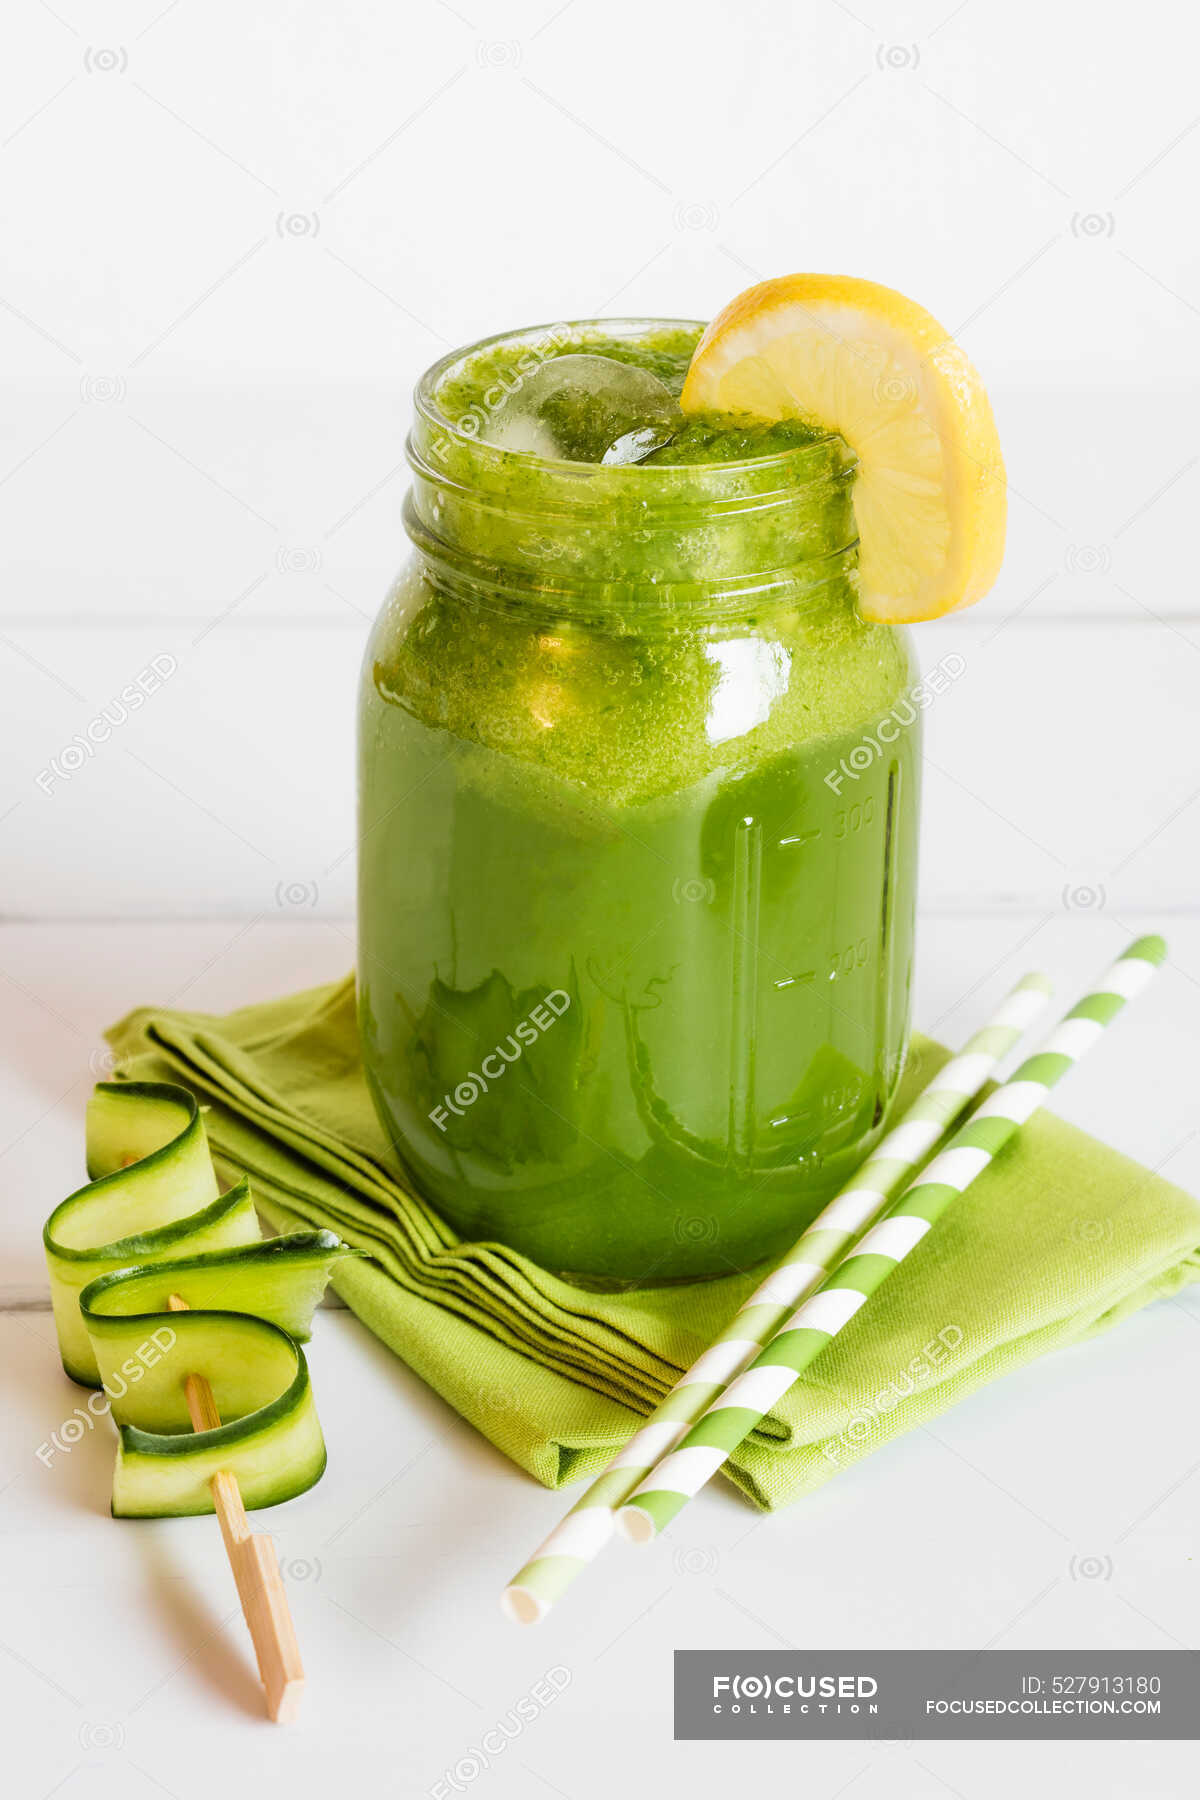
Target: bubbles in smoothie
583, 408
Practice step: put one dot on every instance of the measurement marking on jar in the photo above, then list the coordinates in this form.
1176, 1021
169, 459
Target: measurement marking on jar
848, 961
849, 819
805, 837
838, 1103
787, 981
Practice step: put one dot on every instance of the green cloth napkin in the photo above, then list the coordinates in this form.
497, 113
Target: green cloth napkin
1059, 1238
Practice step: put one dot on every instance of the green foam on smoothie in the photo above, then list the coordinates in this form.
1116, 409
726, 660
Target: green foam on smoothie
467, 385
634, 715
596, 649
708, 439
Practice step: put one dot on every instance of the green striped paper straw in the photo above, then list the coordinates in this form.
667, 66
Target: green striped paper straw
683, 1471
579, 1538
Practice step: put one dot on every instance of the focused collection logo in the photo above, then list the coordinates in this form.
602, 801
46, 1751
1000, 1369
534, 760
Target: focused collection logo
498, 1061
805, 1692
871, 746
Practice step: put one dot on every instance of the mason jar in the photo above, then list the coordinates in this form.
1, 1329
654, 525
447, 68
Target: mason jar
638, 794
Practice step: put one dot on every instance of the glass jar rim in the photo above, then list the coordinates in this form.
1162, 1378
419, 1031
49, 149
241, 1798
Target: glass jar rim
658, 478
657, 538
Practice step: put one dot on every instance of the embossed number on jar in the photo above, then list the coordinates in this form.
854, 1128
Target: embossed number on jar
849, 819
849, 960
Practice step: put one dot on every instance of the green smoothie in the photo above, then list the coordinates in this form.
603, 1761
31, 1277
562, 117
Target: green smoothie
638, 806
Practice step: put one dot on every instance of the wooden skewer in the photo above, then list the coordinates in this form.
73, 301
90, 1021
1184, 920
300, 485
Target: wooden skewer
255, 1567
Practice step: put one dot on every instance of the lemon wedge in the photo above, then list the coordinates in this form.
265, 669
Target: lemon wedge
862, 360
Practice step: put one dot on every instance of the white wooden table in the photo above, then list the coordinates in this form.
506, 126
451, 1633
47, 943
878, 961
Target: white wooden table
1056, 1510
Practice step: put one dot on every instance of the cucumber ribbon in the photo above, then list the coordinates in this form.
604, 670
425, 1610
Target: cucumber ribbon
152, 1223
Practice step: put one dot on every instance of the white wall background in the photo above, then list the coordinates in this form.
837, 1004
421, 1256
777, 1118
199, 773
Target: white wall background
232, 237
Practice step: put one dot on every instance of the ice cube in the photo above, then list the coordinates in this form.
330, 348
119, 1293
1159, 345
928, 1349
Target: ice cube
636, 446
582, 408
